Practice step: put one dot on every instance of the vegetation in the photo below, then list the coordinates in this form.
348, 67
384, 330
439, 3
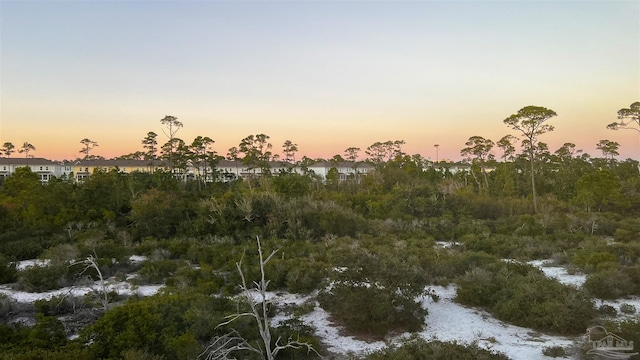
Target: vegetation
365, 246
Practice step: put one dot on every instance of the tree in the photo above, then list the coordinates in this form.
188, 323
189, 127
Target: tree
530, 121
567, 151
479, 151
256, 150
379, 152
91, 263
7, 149
609, 148
172, 126
629, 119
506, 144
289, 150
234, 155
201, 153
26, 149
599, 190
177, 153
437, 146
223, 347
88, 145
337, 158
150, 144
137, 155
351, 154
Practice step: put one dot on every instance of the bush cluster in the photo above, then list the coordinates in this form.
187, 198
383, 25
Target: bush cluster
523, 295
420, 349
374, 292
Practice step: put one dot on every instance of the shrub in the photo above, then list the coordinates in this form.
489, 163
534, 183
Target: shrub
374, 293
42, 278
304, 276
153, 324
522, 294
420, 349
57, 305
627, 309
610, 284
62, 253
607, 310
157, 271
589, 260
554, 351
8, 270
5, 306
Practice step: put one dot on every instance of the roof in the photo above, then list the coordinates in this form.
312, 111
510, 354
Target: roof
341, 164
116, 162
26, 161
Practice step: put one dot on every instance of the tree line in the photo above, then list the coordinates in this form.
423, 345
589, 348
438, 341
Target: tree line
529, 122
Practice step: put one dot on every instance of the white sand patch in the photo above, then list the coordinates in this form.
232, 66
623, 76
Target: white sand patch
122, 288
449, 321
24, 264
560, 273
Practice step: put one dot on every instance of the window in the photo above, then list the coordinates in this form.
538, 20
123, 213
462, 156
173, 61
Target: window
40, 168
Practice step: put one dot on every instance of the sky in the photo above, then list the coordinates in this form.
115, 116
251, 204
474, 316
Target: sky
327, 75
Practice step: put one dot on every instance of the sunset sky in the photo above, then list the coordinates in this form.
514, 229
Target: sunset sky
326, 75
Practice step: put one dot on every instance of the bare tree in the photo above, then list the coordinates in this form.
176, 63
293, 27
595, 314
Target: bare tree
223, 347
102, 294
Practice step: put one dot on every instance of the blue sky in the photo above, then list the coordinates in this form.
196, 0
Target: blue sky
325, 74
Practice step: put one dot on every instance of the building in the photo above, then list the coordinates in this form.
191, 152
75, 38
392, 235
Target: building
46, 169
225, 170
84, 168
346, 169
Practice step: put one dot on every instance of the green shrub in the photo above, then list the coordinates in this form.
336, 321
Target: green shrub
590, 259
22, 249
57, 305
43, 278
5, 306
374, 293
607, 310
8, 270
449, 265
522, 294
295, 329
610, 284
154, 324
156, 271
420, 349
305, 276
554, 351
627, 309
